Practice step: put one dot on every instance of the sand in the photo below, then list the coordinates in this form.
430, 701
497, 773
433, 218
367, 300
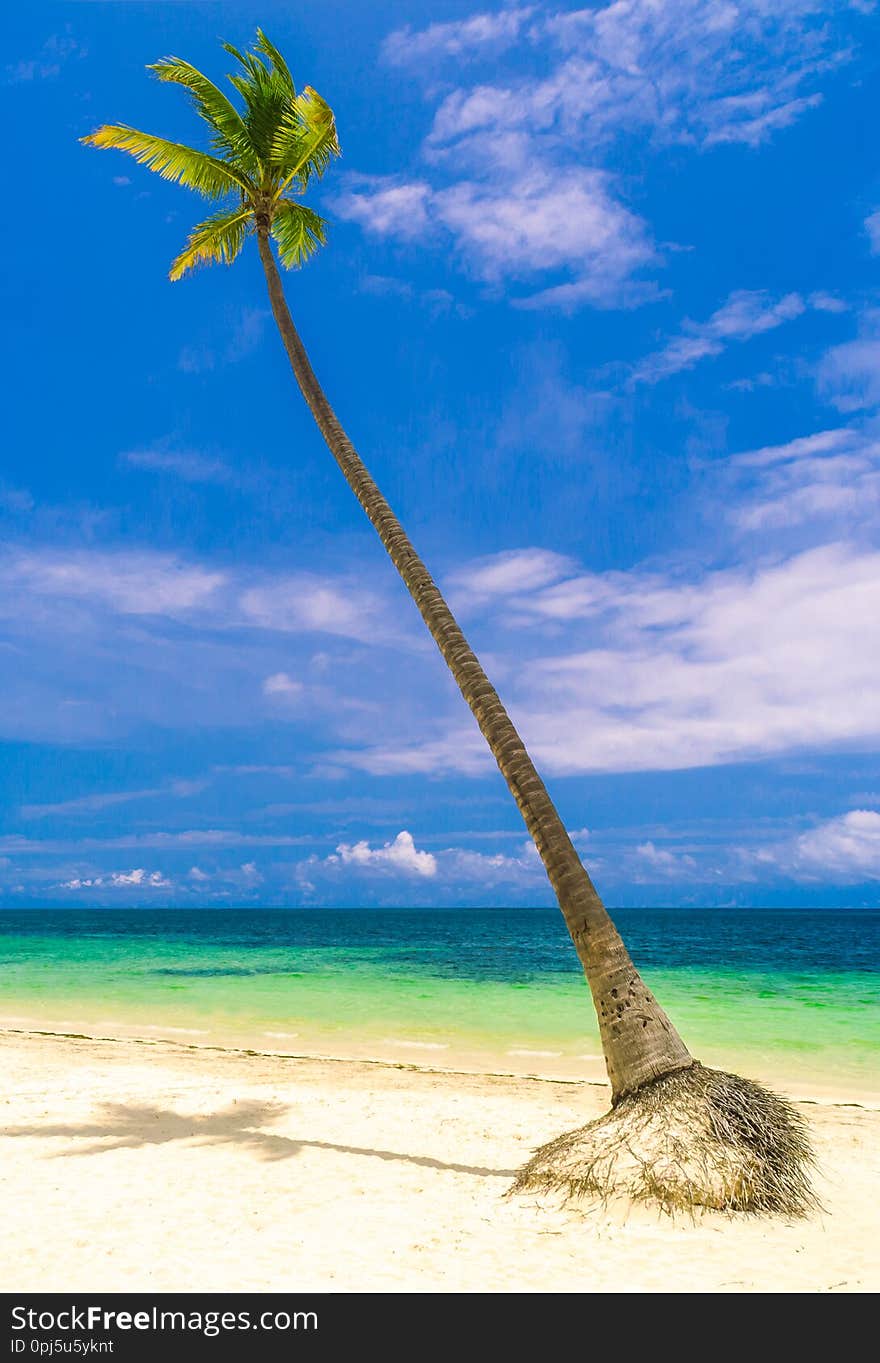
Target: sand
156, 1167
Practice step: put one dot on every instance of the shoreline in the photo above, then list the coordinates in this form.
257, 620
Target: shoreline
817, 1094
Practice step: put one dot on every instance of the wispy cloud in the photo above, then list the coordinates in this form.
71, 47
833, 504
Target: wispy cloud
95, 804
830, 476
654, 863
515, 170
745, 313
15, 844
146, 582
46, 65
305, 601
461, 39
690, 71
283, 685
133, 583
507, 574
99, 641
189, 465
667, 672
848, 375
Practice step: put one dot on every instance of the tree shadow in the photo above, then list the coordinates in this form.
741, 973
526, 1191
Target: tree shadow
130, 1126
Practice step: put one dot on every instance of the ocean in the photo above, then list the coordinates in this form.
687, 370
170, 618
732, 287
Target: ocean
786, 995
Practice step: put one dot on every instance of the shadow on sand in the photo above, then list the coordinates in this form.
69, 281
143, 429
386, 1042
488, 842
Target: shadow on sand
129, 1126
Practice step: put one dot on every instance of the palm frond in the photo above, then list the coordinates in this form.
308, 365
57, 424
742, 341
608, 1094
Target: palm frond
263, 45
245, 59
172, 160
227, 124
305, 140
218, 239
267, 98
298, 231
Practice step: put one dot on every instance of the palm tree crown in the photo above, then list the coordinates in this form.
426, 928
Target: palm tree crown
261, 160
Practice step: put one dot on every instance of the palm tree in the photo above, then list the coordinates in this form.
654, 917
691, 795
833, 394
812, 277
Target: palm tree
699, 1135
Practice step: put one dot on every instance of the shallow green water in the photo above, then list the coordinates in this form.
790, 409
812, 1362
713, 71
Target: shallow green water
782, 996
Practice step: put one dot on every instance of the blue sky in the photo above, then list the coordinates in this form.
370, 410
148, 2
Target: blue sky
600, 310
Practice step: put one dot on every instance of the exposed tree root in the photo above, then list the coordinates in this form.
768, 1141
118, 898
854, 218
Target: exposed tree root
696, 1138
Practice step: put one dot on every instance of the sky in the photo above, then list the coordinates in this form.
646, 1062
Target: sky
600, 309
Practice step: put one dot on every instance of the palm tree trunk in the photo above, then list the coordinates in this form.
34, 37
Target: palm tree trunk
639, 1041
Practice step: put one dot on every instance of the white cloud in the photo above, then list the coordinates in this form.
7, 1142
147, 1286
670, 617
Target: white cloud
829, 476
546, 221
451, 867
99, 642
189, 465
93, 804
515, 171
120, 880
36, 581
845, 850
746, 313
306, 602
522, 225
665, 673
464, 867
848, 375
827, 302
462, 750
400, 855
280, 684
503, 574
803, 447
461, 39
246, 877
387, 206
690, 71
658, 863
158, 841
133, 583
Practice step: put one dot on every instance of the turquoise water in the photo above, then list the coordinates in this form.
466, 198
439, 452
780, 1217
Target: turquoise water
789, 995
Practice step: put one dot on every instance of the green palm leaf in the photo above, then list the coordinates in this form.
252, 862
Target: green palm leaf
172, 160
306, 139
298, 232
230, 133
216, 240
266, 99
263, 45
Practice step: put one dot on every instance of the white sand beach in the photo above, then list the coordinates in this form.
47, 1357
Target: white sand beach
152, 1166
